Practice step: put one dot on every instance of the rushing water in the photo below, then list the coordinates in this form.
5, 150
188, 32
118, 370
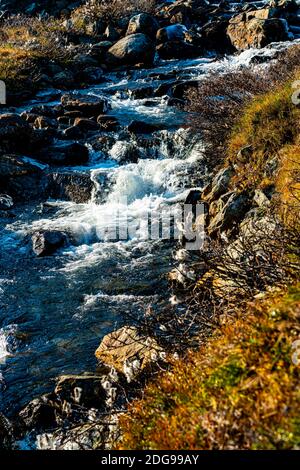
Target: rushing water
55, 310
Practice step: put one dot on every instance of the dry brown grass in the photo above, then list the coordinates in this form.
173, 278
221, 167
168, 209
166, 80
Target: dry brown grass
240, 391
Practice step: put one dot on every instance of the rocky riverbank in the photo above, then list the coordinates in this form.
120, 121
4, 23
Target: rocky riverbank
96, 112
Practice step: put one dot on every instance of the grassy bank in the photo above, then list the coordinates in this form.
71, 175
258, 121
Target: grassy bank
241, 389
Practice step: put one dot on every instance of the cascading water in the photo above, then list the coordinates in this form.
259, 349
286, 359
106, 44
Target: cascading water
55, 310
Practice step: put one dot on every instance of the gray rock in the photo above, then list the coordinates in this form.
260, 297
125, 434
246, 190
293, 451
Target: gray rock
132, 50
231, 214
220, 184
143, 23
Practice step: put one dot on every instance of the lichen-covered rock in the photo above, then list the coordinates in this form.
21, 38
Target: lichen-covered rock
132, 50
128, 352
256, 30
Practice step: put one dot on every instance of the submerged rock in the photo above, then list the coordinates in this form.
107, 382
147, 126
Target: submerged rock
132, 50
46, 243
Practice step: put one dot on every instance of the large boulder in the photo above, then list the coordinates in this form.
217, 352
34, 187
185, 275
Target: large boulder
250, 31
175, 32
132, 50
128, 351
143, 23
214, 36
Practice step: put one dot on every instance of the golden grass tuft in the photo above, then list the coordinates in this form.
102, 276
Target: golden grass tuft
240, 391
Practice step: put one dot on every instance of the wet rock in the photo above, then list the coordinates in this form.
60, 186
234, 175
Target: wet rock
83, 436
47, 242
107, 123
85, 390
74, 187
132, 50
128, 352
73, 132
143, 23
88, 105
141, 127
15, 133
42, 122
194, 197
65, 153
219, 185
6, 202
86, 124
39, 414
22, 178
247, 30
124, 152
141, 93
177, 50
